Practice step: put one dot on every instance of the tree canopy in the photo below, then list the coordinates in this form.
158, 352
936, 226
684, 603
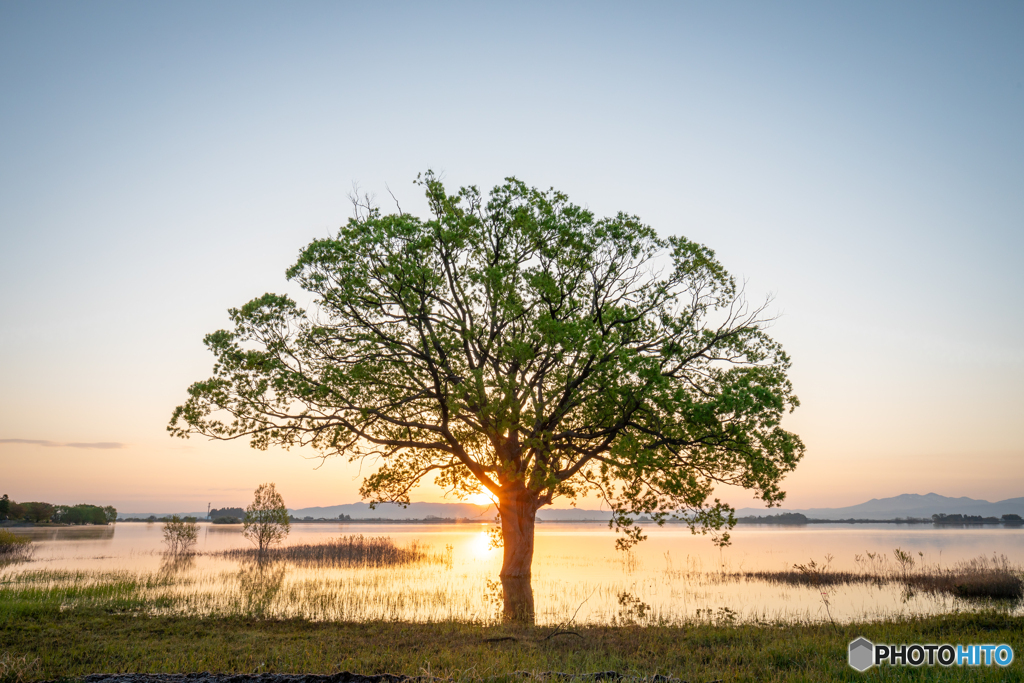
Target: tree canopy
518, 344
180, 535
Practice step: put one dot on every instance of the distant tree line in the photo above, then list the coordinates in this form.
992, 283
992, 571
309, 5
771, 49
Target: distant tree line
227, 515
781, 518
39, 512
977, 519
798, 518
227, 512
342, 518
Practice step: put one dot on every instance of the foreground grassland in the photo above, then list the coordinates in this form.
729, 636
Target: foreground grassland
48, 643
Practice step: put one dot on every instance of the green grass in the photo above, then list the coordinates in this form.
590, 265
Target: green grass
62, 624
14, 548
46, 642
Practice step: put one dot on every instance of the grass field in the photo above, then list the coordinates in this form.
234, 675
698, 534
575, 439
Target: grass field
39, 641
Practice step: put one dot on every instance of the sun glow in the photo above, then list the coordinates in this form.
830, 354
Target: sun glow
482, 498
480, 547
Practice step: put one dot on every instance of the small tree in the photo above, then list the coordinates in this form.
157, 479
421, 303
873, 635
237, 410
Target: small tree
266, 518
180, 535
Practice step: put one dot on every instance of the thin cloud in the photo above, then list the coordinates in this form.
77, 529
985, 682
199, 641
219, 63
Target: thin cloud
37, 442
54, 444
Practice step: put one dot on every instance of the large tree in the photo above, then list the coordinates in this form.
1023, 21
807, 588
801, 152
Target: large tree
519, 345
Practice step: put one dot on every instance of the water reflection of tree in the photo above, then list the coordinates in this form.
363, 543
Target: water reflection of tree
517, 594
258, 585
175, 564
82, 533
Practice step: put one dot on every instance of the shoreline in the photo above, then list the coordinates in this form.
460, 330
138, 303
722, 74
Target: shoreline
8, 524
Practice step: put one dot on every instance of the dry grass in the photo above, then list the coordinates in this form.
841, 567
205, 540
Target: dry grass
983, 577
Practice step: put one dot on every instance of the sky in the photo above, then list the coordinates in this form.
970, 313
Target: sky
162, 162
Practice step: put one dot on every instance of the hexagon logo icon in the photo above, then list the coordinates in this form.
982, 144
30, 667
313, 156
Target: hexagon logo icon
862, 654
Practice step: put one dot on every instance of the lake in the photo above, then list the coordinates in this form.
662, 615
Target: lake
578, 576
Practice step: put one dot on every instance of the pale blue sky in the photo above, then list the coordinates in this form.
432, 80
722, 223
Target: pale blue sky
162, 162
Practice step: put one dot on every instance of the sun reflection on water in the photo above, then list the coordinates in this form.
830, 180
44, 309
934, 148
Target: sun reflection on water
577, 574
480, 548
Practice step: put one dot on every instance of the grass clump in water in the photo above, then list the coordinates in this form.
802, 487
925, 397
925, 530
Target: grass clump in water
984, 577
346, 551
14, 548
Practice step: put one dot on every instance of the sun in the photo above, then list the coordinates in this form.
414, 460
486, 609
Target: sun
482, 498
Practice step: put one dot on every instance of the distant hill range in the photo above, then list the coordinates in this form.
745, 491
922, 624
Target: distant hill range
418, 511
906, 505
484, 513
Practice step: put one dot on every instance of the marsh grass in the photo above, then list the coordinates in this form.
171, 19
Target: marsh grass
359, 579
346, 551
983, 577
14, 548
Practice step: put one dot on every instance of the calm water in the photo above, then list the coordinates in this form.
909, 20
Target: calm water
578, 575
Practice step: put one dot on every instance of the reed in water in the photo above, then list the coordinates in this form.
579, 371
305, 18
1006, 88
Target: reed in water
992, 577
346, 551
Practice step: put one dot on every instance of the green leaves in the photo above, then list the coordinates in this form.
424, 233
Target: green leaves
516, 343
266, 518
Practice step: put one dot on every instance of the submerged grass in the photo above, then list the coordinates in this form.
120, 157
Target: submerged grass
983, 577
346, 551
343, 605
14, 548
372, 579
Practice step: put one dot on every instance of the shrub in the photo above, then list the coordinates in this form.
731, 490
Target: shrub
13, 547
180, 535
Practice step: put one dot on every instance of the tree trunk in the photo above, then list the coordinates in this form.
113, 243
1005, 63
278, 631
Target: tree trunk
518, 508
517, 592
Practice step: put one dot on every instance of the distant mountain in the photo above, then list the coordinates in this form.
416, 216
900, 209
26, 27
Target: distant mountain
905, 505
484, 513
573, 515
393, 511
357, 511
